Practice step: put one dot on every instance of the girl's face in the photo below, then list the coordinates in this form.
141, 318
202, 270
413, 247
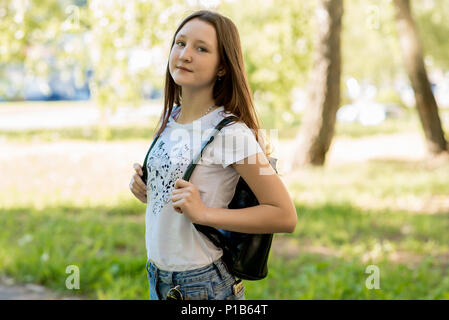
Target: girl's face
195, 48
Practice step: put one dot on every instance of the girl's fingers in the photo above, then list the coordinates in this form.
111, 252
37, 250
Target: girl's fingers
138, 169
142, 199
177, 197
176, 205
138, 187
138, 181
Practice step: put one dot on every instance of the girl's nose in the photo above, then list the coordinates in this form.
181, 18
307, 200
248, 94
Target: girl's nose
185, 54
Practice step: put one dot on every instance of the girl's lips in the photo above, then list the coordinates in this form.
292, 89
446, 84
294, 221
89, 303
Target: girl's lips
184, 69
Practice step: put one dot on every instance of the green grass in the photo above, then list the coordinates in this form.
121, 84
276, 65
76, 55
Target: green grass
107, 246
88, 133
312, 277
357, 239
107, 242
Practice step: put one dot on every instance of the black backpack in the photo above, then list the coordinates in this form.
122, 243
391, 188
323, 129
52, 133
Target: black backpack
245, 255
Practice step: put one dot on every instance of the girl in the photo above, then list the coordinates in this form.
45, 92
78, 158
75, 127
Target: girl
206, 81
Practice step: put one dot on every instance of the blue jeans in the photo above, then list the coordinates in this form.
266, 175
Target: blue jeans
212, 282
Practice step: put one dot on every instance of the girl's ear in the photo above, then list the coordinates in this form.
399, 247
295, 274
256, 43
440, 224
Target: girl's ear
221, 72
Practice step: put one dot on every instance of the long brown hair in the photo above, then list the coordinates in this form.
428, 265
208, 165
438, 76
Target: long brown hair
233, 91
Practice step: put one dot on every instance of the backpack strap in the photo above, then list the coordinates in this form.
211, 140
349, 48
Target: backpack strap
217, 129
215, 236
144, 166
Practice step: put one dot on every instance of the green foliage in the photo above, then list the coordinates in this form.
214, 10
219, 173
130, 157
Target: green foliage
276, 59
276, 36
25, 23
434, 29
277, 44
117, 28
369, 42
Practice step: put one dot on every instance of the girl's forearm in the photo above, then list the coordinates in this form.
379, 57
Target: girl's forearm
262, 218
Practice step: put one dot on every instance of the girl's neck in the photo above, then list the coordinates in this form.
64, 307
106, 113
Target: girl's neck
194, 103
190, 113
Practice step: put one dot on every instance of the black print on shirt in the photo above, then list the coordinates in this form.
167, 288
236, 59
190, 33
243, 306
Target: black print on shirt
163, 173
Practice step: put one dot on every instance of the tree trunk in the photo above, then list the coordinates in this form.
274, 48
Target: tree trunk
316, 132
413, 57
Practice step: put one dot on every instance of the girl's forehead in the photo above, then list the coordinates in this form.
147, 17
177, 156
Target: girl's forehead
197, 30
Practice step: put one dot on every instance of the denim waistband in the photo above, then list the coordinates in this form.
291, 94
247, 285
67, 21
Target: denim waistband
189, 275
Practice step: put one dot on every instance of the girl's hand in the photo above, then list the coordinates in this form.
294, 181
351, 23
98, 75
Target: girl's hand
137, 186
186, 200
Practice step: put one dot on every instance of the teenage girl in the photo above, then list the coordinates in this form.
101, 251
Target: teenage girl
205, 82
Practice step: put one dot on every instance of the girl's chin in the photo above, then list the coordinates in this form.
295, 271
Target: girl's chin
181, 77
183, 83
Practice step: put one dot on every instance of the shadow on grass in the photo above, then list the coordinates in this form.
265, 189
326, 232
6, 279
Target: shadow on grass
343, 223
328, 255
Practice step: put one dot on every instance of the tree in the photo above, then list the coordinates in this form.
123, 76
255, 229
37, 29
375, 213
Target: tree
317, 130
414, 62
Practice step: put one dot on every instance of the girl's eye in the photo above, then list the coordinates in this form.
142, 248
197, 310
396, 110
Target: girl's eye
199, 47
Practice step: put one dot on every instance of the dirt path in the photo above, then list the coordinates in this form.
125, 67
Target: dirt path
11, 291
399, 146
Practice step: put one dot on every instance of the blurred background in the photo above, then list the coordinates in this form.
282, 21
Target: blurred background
353, 96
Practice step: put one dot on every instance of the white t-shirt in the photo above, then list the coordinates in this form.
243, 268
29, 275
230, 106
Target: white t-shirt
172, 241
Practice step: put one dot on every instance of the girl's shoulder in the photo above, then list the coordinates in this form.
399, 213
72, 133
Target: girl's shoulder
233, 127
234, 124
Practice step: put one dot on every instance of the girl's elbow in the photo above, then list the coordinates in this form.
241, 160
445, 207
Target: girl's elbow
292, 221
293, 225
